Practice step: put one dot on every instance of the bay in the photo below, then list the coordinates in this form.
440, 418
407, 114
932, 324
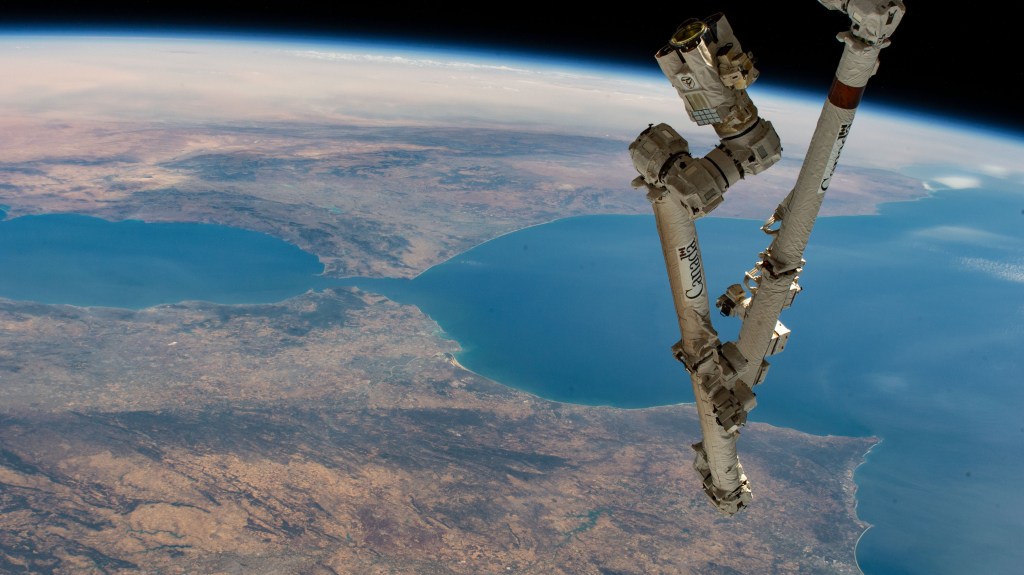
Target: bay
908, 329
86, 261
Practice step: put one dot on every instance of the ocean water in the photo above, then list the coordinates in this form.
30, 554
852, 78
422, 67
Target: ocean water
909, 329
81, 260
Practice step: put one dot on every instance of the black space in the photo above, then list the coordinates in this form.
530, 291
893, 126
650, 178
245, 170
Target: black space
962, 65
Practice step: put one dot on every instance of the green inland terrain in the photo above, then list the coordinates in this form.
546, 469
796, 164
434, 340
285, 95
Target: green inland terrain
334, 432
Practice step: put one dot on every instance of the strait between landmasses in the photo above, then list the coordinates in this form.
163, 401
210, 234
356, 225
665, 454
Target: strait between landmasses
334, 432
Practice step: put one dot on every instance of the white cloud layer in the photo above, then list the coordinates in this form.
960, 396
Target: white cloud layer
967, 235
956, 182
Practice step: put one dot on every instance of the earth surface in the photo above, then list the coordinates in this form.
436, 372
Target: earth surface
335, 431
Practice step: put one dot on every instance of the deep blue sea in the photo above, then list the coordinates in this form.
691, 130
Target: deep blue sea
909, 328
80, 260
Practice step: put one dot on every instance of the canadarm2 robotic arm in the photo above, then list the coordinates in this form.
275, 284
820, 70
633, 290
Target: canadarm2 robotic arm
710, 72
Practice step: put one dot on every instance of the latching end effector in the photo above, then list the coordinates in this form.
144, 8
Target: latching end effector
872, 21
710, 72
729, 503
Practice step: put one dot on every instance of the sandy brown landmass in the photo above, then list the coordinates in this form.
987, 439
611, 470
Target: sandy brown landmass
375, 201
333, 433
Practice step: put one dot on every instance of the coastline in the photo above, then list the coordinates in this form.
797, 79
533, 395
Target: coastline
456, 363
852, 503
856, 502
765, 433
651, 443
499, 236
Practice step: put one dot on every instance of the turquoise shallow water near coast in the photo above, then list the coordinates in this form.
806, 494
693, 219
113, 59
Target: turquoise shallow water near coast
908, 329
